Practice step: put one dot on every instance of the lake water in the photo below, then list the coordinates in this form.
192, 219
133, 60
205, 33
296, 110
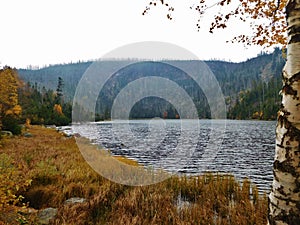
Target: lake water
242, 148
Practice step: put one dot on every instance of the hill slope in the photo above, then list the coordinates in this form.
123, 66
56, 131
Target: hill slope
236, 80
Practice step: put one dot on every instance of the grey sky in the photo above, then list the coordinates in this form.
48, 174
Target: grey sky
35, 32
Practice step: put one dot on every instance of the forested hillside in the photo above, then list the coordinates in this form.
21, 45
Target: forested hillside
250, 88
47, 77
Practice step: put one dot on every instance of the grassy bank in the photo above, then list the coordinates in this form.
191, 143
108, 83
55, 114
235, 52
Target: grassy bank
46, 169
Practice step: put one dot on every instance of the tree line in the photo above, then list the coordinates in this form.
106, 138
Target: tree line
25, 103
251, 91
261, 102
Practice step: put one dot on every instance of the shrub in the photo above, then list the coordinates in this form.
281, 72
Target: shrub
10, 182
10, 123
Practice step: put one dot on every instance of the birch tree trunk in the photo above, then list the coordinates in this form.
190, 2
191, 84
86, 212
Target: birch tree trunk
284, 199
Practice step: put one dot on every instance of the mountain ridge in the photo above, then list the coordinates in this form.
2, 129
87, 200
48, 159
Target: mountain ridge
234, 78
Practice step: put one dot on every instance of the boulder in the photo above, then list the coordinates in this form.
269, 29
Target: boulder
46, 215
75, 200
6, 133
27, 134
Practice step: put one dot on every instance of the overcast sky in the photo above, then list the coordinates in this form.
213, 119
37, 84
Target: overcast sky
36, 32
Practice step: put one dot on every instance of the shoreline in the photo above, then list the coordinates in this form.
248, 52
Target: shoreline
57, 172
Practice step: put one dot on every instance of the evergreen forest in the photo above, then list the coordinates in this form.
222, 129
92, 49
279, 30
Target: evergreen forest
44, 95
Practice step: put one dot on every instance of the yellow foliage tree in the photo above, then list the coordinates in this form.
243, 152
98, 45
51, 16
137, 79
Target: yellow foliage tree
268, 23
9, 83
58, 109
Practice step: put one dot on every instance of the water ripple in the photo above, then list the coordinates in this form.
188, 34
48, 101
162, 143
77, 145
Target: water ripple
247, 148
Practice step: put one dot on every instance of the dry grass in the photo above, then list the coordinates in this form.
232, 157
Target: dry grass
58, 171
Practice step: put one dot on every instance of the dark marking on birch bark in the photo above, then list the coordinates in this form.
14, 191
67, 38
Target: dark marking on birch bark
297, 189
285, 112
289, 200
275, 176
287, 87
294, 39
283, 121
280, 146
294, 135
290, 7
285, 167
281, 191
291, 218
298, 205
288, 90
294, 78
294, 30
287, 153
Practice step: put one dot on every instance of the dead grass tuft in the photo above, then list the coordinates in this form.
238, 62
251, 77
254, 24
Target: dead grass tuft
58, 171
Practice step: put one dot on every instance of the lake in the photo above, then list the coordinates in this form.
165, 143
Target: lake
242, 148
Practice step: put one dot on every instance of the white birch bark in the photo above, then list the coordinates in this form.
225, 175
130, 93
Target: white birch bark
284, 199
